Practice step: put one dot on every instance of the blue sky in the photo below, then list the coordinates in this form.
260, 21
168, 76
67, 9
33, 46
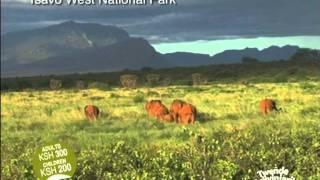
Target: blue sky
215, 46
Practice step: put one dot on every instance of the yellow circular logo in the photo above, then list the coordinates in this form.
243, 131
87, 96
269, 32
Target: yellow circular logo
54, 161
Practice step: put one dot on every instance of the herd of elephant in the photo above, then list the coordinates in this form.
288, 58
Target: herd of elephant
180, 112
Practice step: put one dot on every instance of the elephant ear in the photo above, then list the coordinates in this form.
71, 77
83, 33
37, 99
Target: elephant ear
147, 106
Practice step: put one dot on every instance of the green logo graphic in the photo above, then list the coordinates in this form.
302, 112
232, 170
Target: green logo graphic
54, 161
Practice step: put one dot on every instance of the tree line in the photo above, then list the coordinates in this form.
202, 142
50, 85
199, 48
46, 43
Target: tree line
303, 65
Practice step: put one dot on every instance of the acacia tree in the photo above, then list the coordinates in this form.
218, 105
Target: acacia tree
80, 84
55, 84
129, 80
166, 81
153, 79
196, 79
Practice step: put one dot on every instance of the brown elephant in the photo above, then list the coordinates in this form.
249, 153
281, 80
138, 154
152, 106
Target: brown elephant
267, 106
183, 112
176, 105
187, 114
156, 109
92, 112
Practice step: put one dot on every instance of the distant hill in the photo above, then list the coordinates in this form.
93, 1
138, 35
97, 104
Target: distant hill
133, 53
72, 47
269, 54
39, 44
273, 53
75, 47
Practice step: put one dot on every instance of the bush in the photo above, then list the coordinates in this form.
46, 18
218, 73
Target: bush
138, 98
153, 93
280, 77
99, 85
113, 95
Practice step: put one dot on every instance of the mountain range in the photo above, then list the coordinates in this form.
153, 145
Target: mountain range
272, 53
72, 47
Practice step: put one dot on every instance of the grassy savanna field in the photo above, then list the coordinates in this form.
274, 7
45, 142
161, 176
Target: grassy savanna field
230, 140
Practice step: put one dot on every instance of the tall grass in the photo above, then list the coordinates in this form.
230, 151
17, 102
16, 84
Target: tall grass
230, 140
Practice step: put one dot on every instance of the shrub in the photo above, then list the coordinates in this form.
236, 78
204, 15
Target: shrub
96, 98
138, 98
113, 95
280, 77
99, 85
153, 93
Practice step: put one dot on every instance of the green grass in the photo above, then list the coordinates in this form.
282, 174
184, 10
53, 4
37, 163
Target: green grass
230, 140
